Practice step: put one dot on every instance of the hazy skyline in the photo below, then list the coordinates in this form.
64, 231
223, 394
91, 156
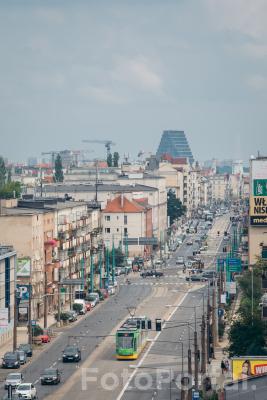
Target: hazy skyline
127, 70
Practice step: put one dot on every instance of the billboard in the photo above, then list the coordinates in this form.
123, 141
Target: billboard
258, 193
245, 367
24, 267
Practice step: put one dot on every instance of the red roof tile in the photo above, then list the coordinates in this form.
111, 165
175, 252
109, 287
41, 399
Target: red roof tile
122, 205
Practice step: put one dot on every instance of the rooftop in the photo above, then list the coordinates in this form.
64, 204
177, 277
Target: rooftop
122, 205
114, 188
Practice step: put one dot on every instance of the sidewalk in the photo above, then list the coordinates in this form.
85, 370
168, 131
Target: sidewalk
22, 334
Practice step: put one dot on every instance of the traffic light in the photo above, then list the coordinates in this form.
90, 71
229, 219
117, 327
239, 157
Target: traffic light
149, 324
158, 324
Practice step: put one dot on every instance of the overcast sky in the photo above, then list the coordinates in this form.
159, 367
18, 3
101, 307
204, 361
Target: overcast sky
126, 70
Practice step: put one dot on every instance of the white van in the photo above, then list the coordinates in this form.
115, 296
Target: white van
82, 302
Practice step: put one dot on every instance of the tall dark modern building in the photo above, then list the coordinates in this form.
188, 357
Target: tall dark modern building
175, 144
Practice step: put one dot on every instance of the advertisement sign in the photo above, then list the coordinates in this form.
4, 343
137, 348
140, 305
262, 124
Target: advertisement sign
3, 317
23, 315
24, 267
24, 292
231, 287
245, 367
258, 195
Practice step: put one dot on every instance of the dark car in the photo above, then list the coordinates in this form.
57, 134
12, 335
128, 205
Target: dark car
151, 273
27, 348
71, 353
72, 315
11, 360
50, 376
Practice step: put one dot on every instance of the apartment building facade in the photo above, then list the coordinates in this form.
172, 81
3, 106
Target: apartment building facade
8, 262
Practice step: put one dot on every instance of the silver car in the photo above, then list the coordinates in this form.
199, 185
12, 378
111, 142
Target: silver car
22, 356
14, 379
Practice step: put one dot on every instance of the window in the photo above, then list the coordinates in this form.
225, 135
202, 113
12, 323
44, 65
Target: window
125, 219
117, 229
107, 218
107, 230
125, 231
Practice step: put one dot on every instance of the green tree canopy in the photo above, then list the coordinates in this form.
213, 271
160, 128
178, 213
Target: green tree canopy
116, 158
59, 176
175, 208
109, 160
2, 172
10, 190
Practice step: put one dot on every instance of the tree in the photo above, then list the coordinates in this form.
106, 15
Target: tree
175, 208
116, 158
9, 175
109, 160
10, 190
58, 177
247, 332
119, 257
2, 172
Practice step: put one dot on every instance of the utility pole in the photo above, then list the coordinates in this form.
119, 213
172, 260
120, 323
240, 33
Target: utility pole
100, 269
113, 261
16, 299
189, 371
208, 325
196, 360
91, 273
214, 327
203, 347
30, 316
45, 299
58, 305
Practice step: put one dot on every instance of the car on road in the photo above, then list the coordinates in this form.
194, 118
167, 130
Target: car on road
14, 379
196, 278
22, 356
189, 243
209, 274
71, 353
27, 348
26, 391
111, 290
50, 376
152, 273
11, 360
93, 298
83, 309
45, 338
180, 260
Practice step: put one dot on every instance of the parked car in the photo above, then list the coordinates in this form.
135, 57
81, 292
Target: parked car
45, 338
180, 260
71, 353
50, 376
88, 305
82, 302
11, 360
27, 348
26, 391
189, 243
22, 356
93, 298
111, 290
73, 316
14, 379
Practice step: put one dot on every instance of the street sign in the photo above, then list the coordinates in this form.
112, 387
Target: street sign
220, 312
33, 322
63, 290
195, 395
24, 291
234, 265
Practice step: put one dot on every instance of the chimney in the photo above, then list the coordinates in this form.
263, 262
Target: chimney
122, 200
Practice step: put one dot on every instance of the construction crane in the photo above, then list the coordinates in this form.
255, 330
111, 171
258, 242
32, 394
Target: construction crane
107, 143
53, 154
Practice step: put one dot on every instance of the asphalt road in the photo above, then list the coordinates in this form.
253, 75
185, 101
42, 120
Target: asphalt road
99, 322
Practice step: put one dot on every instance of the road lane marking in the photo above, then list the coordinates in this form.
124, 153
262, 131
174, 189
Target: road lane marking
149, 348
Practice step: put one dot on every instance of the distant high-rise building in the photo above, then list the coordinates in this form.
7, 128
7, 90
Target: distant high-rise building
175, 144
32, 162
